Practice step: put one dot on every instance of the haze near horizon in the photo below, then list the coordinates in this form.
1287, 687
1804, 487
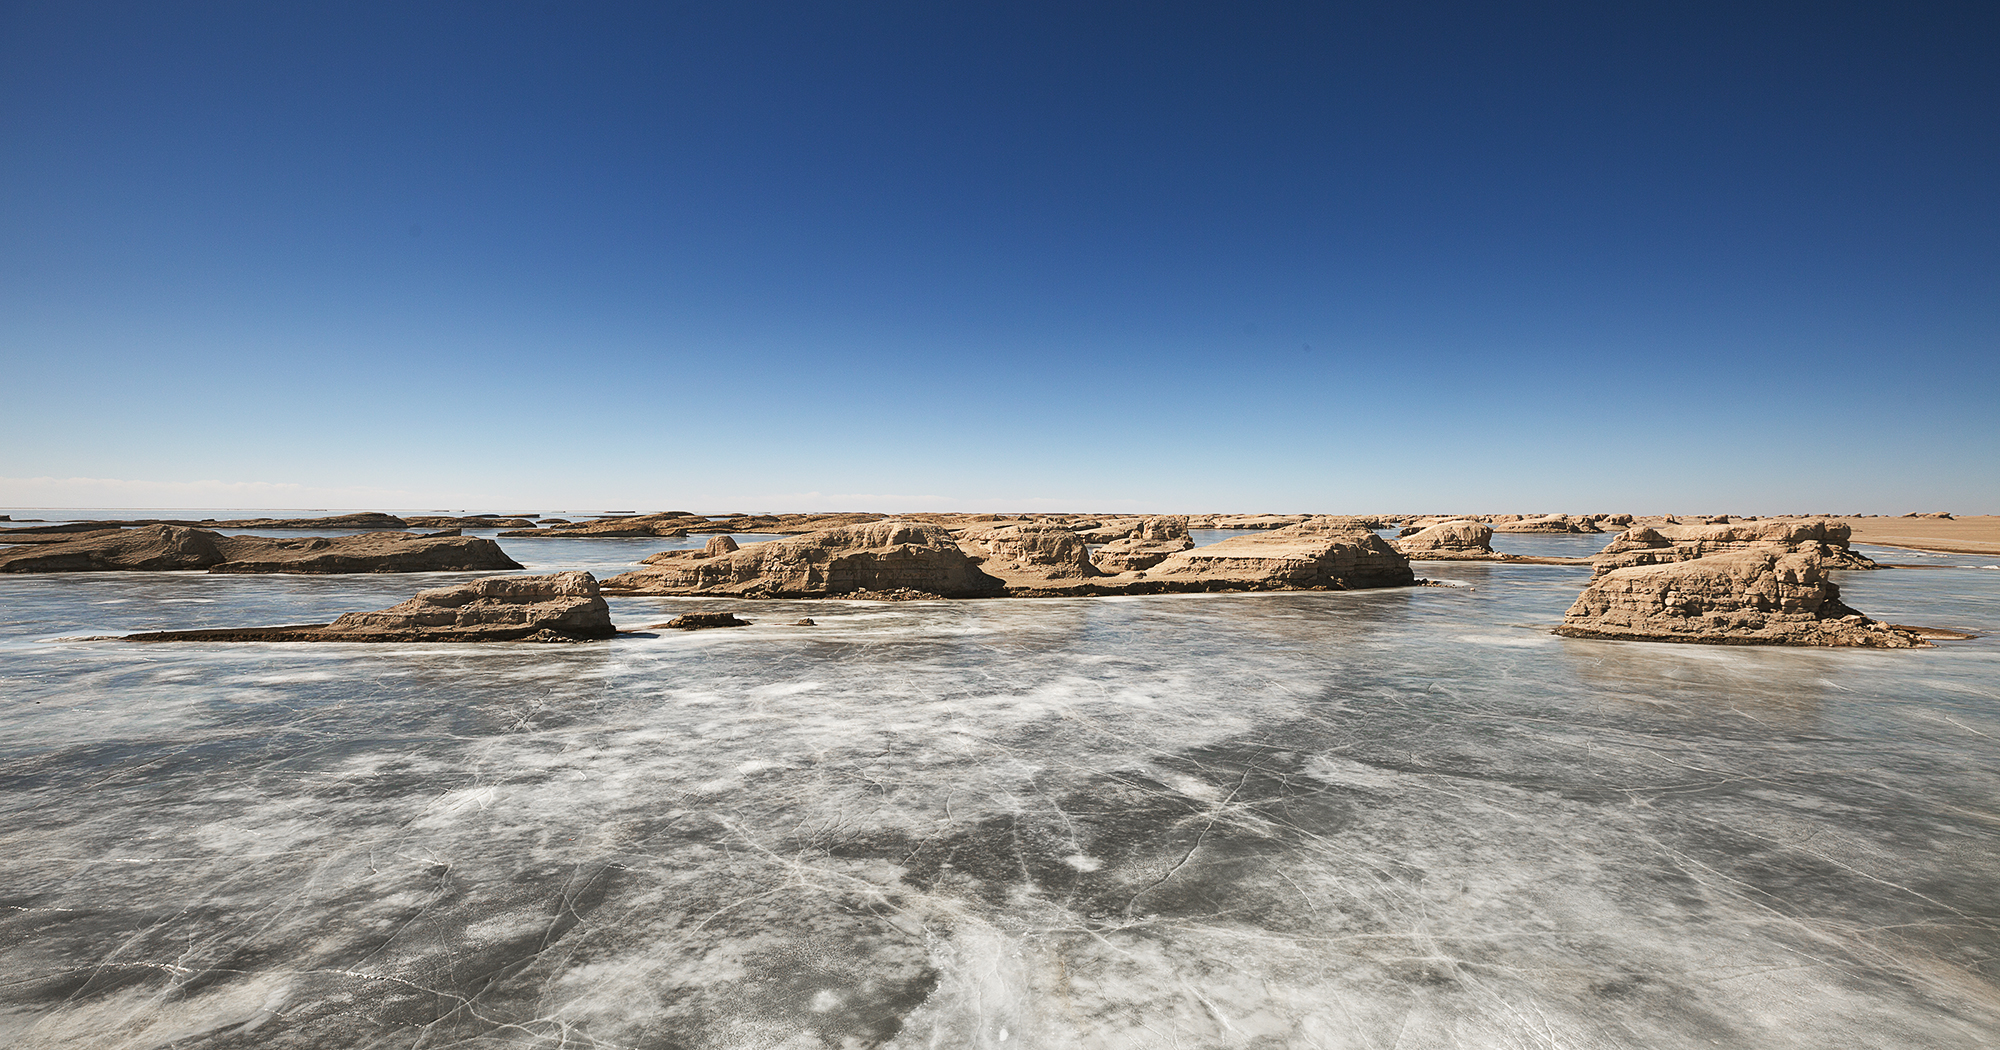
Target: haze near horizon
1109, 257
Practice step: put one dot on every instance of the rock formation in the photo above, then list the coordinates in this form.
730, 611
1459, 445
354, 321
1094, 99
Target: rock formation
1448, 541
1755, 596
154, 548
905, 559
563, 607
718, 546
1147, 542
174, 547
886, 555
1313, 555
1046, 551
1657, 544
1552, 523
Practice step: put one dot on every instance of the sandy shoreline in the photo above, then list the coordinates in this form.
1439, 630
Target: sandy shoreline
1968, 535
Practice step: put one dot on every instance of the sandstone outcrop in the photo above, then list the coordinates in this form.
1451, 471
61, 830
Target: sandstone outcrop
563, 607
1755, 596
718, 546
1047, 551
703, 621
152, 548
1552, 523
470, 521
1147, 542
1313, 555
1658, 544
666, 524
172, 547
1447, 541
1245, 521
367, 552
886, 555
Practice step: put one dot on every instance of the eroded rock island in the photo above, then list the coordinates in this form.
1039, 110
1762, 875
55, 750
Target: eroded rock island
561, 607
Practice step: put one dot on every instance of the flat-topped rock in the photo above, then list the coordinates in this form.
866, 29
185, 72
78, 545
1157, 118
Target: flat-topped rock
1658, 544
561, 607
1755, 596
888, 555
151, 548
1448, 541
1313, 555
1550, 523
367, 552
158, 548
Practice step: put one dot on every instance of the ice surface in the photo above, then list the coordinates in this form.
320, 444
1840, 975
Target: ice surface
1407, 818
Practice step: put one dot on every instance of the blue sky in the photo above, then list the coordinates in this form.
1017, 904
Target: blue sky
1139, 256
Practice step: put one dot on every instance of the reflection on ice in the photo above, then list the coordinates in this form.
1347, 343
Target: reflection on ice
1406, 817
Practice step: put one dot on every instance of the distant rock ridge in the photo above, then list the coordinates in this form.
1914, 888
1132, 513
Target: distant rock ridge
902, 556
157, 548
1755, 596
1658, 544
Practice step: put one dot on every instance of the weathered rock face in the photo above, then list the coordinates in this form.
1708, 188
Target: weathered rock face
1757, 596
470, 521
1051, 551
667, 524
879, 556
1316, 554
1148, 542
1447, 539
173, 547
1552, 523
717, 546
153, 548
1659, 544
563, 607
368, 552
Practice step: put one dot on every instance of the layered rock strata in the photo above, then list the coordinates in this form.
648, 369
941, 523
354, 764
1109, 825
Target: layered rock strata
878, 556
1147, 542
1551, 523
1313, 555
1047, 551
914, 559
1758, 596
1659, 544
173, 547
562, 607
1448, 541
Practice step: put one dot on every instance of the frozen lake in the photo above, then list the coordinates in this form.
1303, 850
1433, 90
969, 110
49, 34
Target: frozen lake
1399, 818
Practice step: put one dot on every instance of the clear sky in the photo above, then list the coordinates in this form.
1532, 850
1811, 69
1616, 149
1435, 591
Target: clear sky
1139, 256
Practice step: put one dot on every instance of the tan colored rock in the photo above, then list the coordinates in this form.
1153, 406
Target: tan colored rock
1757, 596
151, 548
1552, 523
368, 552
1313, 555
172, 547
718, 546
666, 524
1048, 550
563, 607
1448, 538
1148, 542
887, 555
1658, 544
